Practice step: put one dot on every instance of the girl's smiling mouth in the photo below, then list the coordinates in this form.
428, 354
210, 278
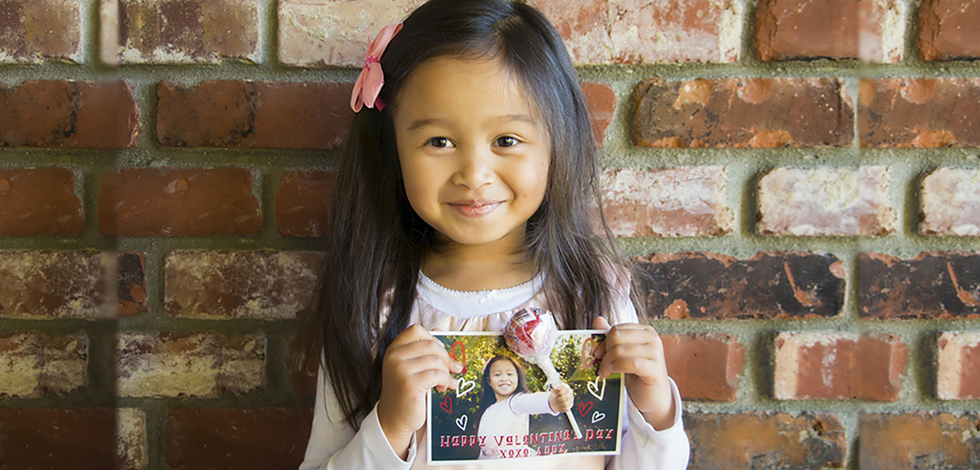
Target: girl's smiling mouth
474, 209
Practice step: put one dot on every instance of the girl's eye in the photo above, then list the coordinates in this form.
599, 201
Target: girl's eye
439, 142
507, 141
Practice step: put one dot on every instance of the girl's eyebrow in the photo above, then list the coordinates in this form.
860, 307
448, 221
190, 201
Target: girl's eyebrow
505, 118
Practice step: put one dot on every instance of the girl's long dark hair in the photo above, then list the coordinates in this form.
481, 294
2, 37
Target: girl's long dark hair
376, 241
487, 395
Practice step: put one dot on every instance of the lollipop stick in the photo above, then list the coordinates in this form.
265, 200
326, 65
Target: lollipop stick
554, 380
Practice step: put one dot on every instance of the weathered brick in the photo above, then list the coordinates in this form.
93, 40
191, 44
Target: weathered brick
69, 114
931, 285
131, 453
145, 202
765, 440
322, 33
919, 440
958, 375
602, 106
758, 112
882, 30
34, 30
671, 202
838, 366
188, 364
337, 33
31, 363
768, 285
53, 284
178, 31
131, 291
304, 201
705, 366
947, 29
804, 29
233, 438
919, 112
881, 362
248, 114
951, 202
645, 31
59, 438
826, 201
267, 285
39, 201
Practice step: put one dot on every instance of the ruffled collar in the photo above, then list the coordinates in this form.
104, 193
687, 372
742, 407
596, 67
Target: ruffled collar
473, 304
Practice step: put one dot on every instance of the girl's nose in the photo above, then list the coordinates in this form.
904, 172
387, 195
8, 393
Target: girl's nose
474, 169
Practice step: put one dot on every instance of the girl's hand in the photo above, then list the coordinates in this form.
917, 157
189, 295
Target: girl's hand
561, 398
637, 351
414, 363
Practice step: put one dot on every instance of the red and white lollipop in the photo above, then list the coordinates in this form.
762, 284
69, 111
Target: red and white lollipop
531, 334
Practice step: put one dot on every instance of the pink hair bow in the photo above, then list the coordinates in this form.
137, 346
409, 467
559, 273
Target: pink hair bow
368, 84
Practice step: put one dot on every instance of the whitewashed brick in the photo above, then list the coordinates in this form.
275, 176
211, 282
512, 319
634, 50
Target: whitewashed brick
951, 202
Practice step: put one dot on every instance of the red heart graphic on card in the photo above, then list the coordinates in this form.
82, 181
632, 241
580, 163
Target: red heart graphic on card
447, 404
460, 356
588, 353
584, 408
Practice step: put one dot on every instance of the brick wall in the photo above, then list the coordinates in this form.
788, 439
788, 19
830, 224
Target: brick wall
800, 178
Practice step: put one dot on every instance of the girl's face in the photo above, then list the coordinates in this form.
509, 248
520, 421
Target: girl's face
503, 378
474, 153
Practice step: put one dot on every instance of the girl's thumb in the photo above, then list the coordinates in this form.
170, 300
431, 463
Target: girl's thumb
600, 323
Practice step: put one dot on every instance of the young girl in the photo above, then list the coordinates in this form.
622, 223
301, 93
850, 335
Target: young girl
466, 190
505, 405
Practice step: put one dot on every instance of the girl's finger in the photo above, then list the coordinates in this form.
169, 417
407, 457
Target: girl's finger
432, 378
600, 323
641, 367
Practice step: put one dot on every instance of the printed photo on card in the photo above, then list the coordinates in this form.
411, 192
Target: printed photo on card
500, 408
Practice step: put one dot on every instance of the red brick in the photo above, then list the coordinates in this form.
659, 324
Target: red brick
247, 114
602, 107
761, 112
919, 440
838, 366
768, 285
131, 291
235, 438
58, 438
919, 112
825, 201
640, 31
39, 201
705, 366
882, 30
32, 31
31, 363
958, 374
52, 284
188, 364
267, 285
804, 29
669, 202
765, 440
69, 114
144, 202
931, 285
304, 201
178, 31
882, 359
951, 202
948, 29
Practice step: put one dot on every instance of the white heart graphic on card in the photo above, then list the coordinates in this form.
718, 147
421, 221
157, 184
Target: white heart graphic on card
461, 422
597, 416
595, 390
464, 386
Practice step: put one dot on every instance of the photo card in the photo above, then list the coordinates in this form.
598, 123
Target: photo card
500, 408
